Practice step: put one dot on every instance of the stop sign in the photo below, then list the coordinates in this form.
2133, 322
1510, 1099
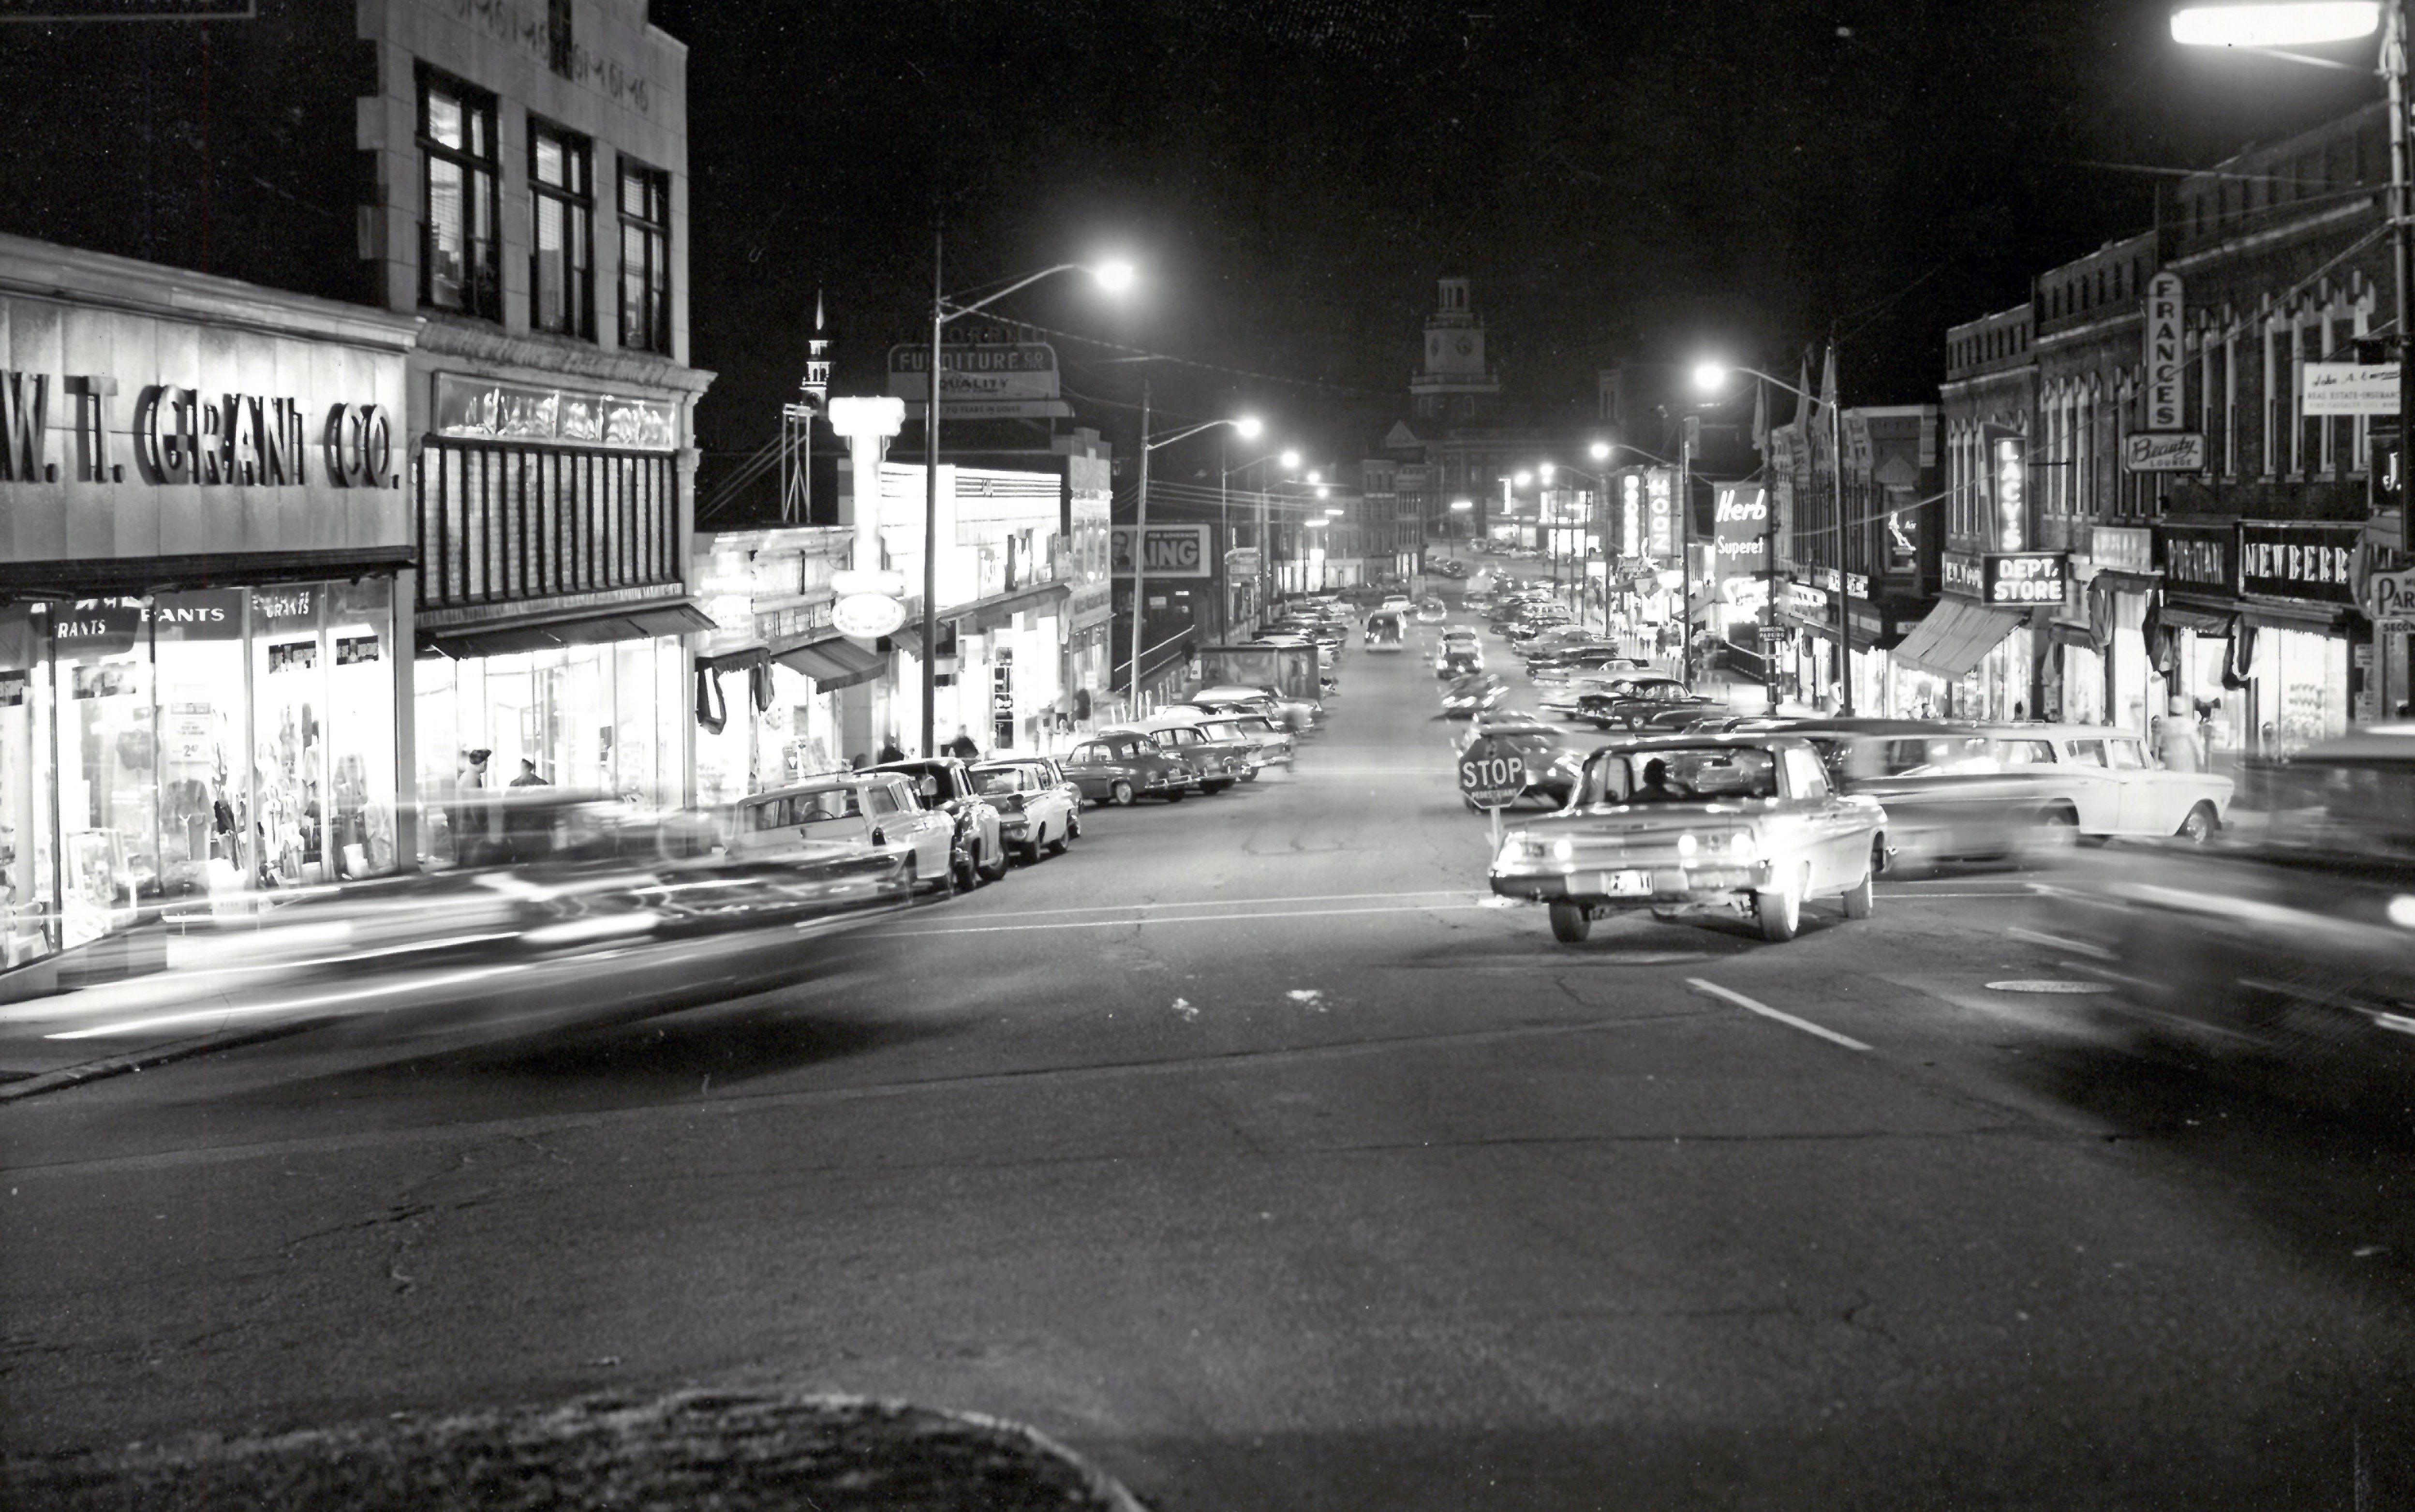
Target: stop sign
1492, 773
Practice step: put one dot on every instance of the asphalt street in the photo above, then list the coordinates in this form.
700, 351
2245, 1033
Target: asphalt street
1253, 1150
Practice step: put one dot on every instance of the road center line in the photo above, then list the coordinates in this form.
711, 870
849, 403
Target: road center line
1715, 990
1232, 902
1185, 918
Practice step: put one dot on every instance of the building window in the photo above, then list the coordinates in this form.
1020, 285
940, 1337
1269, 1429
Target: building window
559, 50
459, 254
561, 263
645, 257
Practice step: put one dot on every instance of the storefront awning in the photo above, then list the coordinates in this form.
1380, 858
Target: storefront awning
835, 663
992, 612
906, 638
725, 653
1956, 637
673, 617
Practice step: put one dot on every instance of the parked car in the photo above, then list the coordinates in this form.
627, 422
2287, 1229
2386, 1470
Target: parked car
1219, 761
1034, 816
1298, 715
946, 783
1632, 701
2117, 788
1051, 774
1560, 665
1274, 745
874, 814
1122, 767
1691, 826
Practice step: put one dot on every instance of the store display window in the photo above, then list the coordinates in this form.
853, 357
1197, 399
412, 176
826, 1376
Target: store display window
160, 749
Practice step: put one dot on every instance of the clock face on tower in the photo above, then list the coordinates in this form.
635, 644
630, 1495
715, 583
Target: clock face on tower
1466, 345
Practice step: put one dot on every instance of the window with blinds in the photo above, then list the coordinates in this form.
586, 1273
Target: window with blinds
500, 523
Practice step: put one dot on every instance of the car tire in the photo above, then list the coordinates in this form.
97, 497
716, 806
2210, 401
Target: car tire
995, 868
1120, 794
1034, 851
1861, 897
1216, 787
1073, 828
963, 874
1063, 841
1176, 795
1570, 923
944, 888
1251, 775
2200, 824
1779, 913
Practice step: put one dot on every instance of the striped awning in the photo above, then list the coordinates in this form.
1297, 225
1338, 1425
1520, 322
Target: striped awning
1956, 637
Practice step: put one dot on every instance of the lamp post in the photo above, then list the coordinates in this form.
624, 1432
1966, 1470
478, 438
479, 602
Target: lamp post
1710, 378
1115, 278
1248, 427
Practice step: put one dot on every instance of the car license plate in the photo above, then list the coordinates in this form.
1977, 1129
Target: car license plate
1624, 884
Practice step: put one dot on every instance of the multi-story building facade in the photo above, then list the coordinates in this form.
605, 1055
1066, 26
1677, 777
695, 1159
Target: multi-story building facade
386, 360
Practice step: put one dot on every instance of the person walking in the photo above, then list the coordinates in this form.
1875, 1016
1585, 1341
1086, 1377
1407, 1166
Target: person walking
528, 777
962, 746
891, 749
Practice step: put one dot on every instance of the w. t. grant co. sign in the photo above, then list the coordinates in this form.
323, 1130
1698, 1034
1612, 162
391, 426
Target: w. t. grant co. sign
276, 424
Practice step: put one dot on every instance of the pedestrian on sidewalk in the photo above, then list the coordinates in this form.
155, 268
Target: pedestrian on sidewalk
889, 750
2176, 744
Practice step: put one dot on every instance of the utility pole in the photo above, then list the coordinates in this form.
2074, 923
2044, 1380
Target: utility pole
931, 510
1769, 563
1140, 556
1844, 567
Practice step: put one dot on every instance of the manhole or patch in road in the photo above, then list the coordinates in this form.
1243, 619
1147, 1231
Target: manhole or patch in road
2076, 989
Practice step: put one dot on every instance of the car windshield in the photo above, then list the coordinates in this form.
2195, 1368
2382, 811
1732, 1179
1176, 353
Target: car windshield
1680, 774
1932, 754
996, 783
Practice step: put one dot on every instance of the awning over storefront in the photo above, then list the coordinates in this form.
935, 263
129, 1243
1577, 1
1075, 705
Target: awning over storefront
673, 617
726, 653
906, 638
1955, 637
835, 663
990, 613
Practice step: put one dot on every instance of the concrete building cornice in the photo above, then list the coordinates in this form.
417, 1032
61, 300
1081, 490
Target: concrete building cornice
46, 270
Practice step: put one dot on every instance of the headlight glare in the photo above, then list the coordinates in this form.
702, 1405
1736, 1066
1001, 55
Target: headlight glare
1687, 845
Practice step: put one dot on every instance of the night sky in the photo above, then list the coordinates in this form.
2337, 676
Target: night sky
1621, 180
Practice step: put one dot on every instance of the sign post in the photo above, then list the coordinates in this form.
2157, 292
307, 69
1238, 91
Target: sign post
1491, 775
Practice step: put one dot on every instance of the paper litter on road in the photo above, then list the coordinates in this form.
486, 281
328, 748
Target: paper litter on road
1307, 998
1182, 1006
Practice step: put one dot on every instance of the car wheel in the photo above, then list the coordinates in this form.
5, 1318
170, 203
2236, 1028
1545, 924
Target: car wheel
1861, 897
1064, 839
1176, 795
1216, 787
1779, 911
995, 867
964, 873
1120, 794
2200, 826
1032, 852
1570, 922
2058, 830
1251, 775
1073, 827
943, 887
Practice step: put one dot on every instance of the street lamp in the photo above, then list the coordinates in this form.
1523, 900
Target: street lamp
1710, 378
2273, 27
1115, 276
1249, 426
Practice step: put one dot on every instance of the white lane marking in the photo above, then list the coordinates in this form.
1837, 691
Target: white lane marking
1230, 903
1767, 1011
1187, 919
1899, 892
2039, 938
1377, 771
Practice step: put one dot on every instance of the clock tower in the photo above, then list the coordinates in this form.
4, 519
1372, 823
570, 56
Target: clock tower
1455, 383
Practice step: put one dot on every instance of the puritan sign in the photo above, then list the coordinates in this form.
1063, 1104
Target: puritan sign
2164, 352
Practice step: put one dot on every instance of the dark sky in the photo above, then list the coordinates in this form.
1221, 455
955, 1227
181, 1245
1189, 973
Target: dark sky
1639, 180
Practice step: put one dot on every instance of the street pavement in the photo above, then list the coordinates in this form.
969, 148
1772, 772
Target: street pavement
1252, 1151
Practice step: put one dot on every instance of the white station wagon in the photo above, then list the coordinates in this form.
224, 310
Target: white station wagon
2114, 782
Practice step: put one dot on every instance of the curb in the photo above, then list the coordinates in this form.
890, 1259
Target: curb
64, 1077
741, 1449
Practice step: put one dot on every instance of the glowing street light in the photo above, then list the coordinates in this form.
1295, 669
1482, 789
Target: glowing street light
1290, 460
1524, 477
1710, 377
1546, 471
1115, 276
1599, 451
2275, 25
1461, 506
1248, 427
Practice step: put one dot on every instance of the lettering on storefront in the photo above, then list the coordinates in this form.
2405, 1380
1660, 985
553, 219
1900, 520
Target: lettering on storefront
181, 436
2197, 557
2021, 579
1960, 574
2312, 562
2164, 351
2008, 464
1173, 551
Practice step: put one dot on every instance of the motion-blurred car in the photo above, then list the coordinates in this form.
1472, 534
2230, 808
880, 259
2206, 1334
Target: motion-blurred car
1569, 663
2291, 944
1690, 826
1459, 659
1296, 715
1947, 794
1125, 766
1466, 696
850, 813
946, 783
2116, 787
1630, 702
1047, 771
1034, 816
1432, 610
